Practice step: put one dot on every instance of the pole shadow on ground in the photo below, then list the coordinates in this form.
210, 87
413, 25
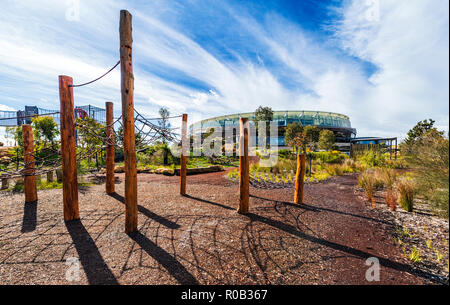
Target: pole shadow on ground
29, 216
312, 208
349, 250
162, 220
97, 272
174, 267
208, 201
346, 249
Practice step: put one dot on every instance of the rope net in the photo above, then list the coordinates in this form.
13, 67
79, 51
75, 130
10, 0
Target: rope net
92, 141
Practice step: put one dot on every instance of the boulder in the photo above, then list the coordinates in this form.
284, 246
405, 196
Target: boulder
201, 170
119, 169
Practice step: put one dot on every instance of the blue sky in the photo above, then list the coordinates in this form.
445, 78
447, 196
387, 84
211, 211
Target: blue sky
384, 63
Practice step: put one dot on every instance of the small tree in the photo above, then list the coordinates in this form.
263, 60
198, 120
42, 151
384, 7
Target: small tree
311, 136
90, 137
164, 136
45, 129
263, 114
419, 130
327, 139
294, 136
429, 157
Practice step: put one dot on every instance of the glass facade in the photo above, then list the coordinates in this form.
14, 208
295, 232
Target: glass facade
338, 123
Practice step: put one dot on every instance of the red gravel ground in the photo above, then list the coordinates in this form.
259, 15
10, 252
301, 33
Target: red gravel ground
200, 239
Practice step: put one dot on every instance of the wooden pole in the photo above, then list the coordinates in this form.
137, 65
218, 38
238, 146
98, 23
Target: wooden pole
299, 179
127, 87
244, 176
68, 150
183, 156
396, 148
5, 183
110, 187
30, 178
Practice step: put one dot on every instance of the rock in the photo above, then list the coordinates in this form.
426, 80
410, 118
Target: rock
168, 172
159, 170
119, 169
201, 170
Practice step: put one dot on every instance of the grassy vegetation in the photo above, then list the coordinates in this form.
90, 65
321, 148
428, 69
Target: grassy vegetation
44, 185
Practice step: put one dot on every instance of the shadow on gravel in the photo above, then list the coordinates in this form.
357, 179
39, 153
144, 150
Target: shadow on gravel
97, 272
349, 250
164, 221
174, 267
308, 207
29, 217
210, 202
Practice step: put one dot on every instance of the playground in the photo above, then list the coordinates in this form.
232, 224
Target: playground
296, 222
199, 238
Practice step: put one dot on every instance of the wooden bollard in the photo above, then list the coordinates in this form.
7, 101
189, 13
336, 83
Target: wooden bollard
183, 155
30, 189
59, 175
110, 187
50, 177
68, 151
299, 179
244, 176
129, 149
5, 183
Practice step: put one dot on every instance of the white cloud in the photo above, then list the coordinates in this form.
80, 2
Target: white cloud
409, 45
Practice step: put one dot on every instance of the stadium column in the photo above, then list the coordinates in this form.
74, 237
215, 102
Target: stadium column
127, 87
29, 172
68, 149
244, 176
299, 178
183, 155
110, 187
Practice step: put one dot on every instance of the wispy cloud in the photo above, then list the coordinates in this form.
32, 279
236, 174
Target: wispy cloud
209, 61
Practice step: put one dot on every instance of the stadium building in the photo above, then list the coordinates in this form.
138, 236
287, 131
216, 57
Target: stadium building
338, 123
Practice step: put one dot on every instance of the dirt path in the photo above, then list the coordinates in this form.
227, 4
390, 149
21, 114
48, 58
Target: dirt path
200, 239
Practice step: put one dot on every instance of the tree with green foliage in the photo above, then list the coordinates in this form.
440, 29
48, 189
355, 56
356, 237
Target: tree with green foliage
263, 114
311, 136
327, 139
15, 132
419, 130
90, 137
45, 129
429, 157
165, 135
294, 136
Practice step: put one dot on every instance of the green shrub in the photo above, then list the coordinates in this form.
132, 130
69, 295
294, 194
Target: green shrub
285, 164
372, 158
329, 156
366, 180
429, 157
406, 189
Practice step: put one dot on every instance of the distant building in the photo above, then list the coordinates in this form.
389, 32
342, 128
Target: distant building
338, 123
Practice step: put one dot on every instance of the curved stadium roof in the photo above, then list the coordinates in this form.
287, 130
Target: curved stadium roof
305, 117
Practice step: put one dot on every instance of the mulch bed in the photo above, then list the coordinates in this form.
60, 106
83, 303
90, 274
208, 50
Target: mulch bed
200, 239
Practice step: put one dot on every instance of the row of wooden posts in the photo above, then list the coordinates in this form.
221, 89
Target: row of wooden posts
244, 170
68, 148
69, 171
